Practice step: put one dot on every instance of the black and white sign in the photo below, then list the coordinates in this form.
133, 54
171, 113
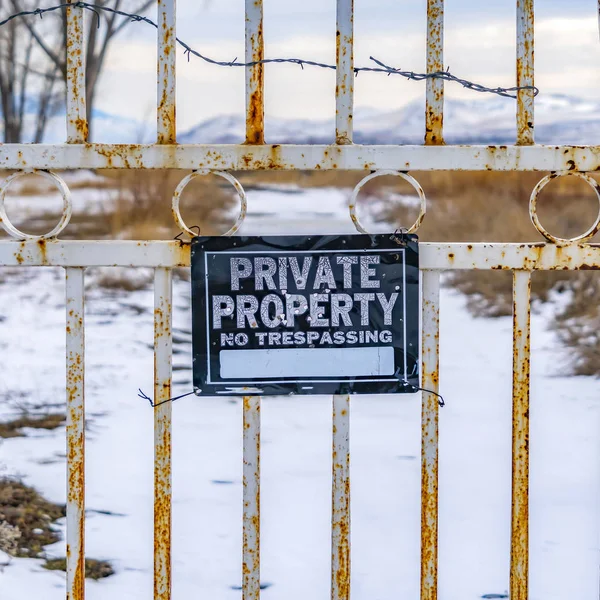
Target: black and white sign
305, 315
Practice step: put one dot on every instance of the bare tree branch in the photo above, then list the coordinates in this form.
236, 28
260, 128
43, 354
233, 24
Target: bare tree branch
143, 8
55, 58
97, 56
20, 98
45, 108
19, 61
32, 70
23, 84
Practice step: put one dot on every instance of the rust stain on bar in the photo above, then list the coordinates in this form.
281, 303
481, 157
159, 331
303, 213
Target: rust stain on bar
255, 111
429, 436
77, 125
519, 547
76, 485
162, 433
162, 505
251, 498
75, 433
525, 72
242, 157
344, 87
166, 111
434, 99
340, 523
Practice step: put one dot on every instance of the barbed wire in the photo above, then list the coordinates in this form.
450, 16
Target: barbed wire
510, 92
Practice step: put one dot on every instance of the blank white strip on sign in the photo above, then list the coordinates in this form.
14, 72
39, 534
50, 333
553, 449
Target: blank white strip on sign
307, 362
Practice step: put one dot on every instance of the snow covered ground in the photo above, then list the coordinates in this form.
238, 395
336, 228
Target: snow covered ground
475, 460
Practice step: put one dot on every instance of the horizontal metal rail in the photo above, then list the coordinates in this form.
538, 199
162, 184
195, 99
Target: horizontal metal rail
227, 157
436, 257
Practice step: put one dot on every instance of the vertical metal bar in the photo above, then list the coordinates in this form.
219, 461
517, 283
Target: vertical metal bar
77, 125
429, 435
340, 518
163, 291
434, 98
167, 54
251, 498
525, 122
75, 434
344, 75
519, 546
255, 79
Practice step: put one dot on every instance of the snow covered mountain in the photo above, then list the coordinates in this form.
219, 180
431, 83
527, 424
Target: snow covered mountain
559, 119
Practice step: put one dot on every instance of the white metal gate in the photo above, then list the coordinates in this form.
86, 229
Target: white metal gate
163, 256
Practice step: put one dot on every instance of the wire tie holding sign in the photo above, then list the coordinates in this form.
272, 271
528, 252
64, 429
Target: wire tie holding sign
400, 236
177, 238
144, 396
440, 398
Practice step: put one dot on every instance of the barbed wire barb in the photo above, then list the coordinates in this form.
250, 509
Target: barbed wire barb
446, 75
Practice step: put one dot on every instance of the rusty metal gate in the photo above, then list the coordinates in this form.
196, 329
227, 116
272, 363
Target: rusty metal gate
163, 256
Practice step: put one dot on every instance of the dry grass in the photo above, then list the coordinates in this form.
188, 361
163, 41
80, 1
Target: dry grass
142, 210
578, 326
306, 179
137, 205
26, 519
23, 507
31, 184
94, 569
14, 428
121, 278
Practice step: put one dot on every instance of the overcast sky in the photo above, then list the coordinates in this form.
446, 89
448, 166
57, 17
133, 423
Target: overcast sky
479, 45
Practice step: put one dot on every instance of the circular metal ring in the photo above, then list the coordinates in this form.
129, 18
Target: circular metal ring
184, 182
63, 188
533, 208
406, 177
